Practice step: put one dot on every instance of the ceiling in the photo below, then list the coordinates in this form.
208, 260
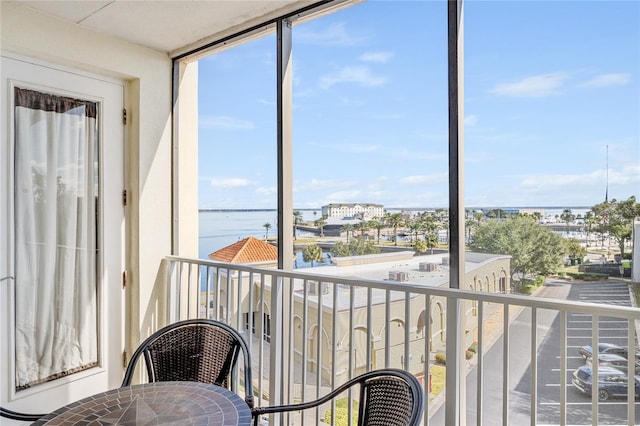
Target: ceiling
172, 26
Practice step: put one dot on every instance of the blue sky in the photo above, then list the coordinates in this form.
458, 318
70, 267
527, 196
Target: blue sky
549, 85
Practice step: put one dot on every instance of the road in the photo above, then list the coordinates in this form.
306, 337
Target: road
578, 333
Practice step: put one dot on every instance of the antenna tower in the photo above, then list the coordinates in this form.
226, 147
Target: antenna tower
606, 193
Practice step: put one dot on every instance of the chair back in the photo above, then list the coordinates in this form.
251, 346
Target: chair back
198, 350
390, 398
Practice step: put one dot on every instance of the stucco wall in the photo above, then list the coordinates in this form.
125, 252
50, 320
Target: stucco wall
484, 277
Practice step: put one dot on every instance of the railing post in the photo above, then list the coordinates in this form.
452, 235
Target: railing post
455, 386
456, 377
275, 343
281, 315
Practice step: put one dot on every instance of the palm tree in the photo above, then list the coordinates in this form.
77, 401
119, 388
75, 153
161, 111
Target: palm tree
347, 227
589, 222
267, 226
432, 240
297, 218
470, 225
320, 223
420, 246
567, 217
378, 226
415, 227
478, 216
312, 253
395, 220
362, 227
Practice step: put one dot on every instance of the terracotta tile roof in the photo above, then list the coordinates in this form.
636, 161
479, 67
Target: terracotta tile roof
249, 250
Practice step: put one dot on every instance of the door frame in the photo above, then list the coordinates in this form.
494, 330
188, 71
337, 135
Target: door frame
111, 94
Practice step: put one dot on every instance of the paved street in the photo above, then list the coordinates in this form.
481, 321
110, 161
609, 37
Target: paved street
611, 412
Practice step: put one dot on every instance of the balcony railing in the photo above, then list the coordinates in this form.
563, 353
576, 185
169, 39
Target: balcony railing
309, 333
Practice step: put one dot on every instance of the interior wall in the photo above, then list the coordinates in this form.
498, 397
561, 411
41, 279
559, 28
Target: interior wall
147, 134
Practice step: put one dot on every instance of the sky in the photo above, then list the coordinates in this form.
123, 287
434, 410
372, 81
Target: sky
551, 108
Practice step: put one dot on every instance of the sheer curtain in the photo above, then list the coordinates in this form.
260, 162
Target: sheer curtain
56, 192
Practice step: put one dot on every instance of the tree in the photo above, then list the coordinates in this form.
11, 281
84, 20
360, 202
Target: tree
601, 214
415, 226
362, 227
620, 224
340, 249
320, 223
567, 217
347, 227
469, 226
615, 218
312, 253
378, 226
589, 222
359, 247
267, 226
420, 246
297, 218
534, 249
574, 249
478, 215
431, 239
395, 221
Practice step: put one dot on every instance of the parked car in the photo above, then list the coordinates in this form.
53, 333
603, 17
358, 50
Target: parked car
613, 360
611, 382
606, 348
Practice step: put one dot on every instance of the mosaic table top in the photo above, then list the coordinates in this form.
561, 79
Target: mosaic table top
159, 403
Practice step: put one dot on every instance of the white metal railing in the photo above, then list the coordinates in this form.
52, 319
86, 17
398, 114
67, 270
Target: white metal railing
300, 351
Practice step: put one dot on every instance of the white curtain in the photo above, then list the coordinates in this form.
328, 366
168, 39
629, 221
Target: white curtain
56, 185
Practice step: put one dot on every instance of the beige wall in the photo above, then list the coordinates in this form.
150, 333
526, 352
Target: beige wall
148, 150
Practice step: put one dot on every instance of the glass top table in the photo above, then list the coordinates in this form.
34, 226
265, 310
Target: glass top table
158, 403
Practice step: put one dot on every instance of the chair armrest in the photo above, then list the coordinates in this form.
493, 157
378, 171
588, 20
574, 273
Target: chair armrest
14, 415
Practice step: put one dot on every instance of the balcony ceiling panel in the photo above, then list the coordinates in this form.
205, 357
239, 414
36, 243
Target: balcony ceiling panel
165, 25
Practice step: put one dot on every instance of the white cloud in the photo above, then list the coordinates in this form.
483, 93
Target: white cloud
537, 86
223, 122
321, 185
229, 183
267, 190
382, 57
333, 35
422, 179
544, 182
345, 196
471, 120
352, 74
606, 80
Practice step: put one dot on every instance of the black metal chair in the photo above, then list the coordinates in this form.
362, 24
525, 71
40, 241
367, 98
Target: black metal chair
388, 397
14, 415
198, 350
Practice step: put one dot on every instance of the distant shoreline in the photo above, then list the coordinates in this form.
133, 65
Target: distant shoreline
408, 208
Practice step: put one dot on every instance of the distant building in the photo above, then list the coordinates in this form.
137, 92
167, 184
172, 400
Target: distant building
364, 211
250, 251
483, 272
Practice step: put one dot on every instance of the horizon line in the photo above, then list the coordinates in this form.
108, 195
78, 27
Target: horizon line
240, 209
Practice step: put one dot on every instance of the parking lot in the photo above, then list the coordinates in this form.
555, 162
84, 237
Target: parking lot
579, 333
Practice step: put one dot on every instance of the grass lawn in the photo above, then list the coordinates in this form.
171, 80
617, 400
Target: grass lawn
437, 378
